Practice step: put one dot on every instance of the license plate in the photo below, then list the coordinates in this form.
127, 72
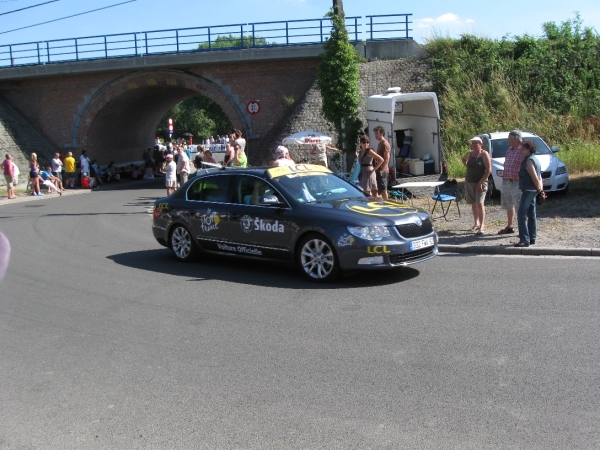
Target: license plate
546, 182
421, 243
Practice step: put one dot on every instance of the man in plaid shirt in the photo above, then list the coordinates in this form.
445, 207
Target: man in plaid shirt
511, 194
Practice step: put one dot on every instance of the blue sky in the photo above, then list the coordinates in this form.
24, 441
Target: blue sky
490, 19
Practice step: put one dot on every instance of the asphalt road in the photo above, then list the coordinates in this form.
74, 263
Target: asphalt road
108, 342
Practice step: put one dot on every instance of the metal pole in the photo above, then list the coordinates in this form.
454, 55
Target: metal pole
321, 29
287, 38
177, 39
242, 35
146, 40
406, 18
12, 63
135, 39
38, 50
209, 38
371, 26
253, 37
105, 48
76, 51
48, 51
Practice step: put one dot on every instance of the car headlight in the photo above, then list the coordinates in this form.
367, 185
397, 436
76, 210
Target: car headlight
561, 170
369, 233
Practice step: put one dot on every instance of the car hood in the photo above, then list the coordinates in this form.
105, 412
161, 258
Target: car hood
370, 211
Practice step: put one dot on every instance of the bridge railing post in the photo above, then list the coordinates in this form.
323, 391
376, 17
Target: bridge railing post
253, 37
105, 48
76, 51
321, 29
177, 39
136, 47
12, 62
146, 41
209, 43
48, 51
38, 52
242, 36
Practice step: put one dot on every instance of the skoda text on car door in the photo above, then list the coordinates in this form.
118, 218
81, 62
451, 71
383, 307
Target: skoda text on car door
263, 228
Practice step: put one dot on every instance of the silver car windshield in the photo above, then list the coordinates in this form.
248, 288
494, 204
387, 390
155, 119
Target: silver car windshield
316, 187
500, 146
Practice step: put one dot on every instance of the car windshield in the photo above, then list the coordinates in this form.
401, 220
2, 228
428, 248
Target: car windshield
500, 146
313, 187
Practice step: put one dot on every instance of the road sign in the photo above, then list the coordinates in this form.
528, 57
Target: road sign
253, 107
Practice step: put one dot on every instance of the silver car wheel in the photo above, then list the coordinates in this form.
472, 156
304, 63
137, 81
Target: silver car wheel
181, 243
317, 259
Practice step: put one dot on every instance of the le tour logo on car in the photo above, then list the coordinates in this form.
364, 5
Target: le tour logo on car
248, 224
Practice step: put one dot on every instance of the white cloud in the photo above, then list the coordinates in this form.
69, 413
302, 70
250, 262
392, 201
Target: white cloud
444, 19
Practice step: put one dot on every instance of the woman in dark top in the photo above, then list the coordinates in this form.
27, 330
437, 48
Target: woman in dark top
479, 168
34, 175
369, 162
530, 183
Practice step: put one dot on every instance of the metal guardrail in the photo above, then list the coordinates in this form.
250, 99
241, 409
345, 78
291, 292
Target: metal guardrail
199, 39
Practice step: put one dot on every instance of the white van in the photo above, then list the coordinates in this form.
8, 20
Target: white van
412, 127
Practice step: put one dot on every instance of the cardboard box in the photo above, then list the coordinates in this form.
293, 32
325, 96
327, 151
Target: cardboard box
416, 167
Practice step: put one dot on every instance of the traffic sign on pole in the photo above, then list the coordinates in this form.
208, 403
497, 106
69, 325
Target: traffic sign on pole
253, 107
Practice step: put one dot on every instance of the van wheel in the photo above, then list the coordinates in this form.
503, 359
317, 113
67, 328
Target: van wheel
182, 244
317, 259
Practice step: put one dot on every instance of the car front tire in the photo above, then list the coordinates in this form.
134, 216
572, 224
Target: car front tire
182, 244
317, 259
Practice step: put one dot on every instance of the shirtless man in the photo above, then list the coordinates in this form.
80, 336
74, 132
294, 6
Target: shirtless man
383, 150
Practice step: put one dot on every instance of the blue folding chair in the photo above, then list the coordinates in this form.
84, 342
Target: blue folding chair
446, 194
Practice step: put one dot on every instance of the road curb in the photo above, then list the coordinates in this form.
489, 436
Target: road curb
527, 251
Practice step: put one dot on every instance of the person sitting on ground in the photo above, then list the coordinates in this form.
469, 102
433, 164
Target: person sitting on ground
112, 173
136, 173
95, 172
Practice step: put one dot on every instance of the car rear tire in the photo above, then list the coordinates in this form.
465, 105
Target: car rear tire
317, 259
182, 244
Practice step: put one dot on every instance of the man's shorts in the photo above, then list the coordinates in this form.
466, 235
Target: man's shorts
511, 194
58, 175
171, 184
69, 175
472, 196
382, 180
183, 177
9, 180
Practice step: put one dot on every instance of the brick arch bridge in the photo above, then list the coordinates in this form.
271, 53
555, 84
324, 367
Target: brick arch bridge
118, 119
112, 108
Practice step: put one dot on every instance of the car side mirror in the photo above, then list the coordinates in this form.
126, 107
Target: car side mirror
555, 149
270, 200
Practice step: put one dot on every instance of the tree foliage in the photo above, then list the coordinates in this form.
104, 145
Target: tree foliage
337, 79
549, 84
197, 115
231, 41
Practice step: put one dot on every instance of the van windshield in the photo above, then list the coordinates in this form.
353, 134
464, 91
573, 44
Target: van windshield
500, 146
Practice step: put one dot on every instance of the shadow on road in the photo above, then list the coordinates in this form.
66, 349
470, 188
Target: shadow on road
249, 272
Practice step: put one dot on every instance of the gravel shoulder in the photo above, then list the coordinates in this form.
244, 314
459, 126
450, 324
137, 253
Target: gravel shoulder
570, 220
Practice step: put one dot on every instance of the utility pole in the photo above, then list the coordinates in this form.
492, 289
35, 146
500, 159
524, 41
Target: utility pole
338, 7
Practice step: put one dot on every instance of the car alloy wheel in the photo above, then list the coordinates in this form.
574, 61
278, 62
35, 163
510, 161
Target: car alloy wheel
182, 244
317, 259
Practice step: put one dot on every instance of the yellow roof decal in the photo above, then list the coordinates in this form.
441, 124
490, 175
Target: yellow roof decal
276, 172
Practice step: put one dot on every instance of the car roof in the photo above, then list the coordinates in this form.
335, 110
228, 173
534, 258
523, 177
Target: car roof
504, 134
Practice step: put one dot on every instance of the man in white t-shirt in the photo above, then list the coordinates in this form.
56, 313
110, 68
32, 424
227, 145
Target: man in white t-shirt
170, 174
57, 166
183, 166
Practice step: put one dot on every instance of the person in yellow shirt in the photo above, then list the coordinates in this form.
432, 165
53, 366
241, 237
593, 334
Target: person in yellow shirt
70, 171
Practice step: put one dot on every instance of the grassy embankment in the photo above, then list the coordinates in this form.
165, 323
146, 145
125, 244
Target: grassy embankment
549, 85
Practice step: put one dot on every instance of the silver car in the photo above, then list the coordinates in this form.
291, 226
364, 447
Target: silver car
555, 176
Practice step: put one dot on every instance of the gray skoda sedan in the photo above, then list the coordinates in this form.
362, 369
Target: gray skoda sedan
302, 214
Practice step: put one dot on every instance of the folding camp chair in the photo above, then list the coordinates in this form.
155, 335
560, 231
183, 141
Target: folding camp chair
446, 193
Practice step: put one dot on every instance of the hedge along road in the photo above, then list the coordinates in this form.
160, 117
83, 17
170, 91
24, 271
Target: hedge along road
108, 342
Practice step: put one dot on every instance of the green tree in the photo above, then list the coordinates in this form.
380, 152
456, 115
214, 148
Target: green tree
231, 41
337, 79
197, 115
